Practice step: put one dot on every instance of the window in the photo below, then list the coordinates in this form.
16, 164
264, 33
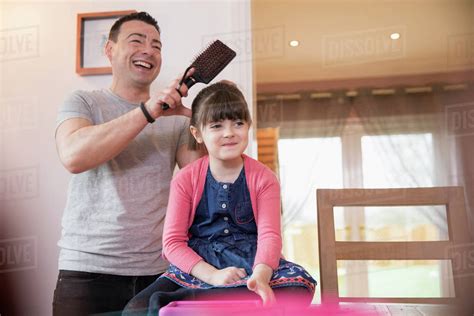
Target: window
306, 164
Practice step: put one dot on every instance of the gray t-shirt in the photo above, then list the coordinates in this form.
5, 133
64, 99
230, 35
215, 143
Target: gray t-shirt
114, 215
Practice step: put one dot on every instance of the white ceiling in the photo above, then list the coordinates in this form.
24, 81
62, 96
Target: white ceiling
350, 39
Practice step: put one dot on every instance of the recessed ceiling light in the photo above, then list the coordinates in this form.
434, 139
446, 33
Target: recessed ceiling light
294, 43
395, 36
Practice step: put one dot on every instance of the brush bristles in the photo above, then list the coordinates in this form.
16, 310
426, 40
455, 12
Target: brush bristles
212, 61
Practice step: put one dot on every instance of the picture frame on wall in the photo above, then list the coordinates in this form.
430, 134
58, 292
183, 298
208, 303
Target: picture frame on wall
92, 35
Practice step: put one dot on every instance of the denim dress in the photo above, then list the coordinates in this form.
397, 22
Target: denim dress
224, 234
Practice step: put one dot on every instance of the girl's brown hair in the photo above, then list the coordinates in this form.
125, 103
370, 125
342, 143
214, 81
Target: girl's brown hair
219, 101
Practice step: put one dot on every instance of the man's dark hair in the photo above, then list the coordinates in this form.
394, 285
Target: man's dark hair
139, 16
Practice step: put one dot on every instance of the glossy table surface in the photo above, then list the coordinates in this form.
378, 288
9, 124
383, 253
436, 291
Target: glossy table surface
255, 308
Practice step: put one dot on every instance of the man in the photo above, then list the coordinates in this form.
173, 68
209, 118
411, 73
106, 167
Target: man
122, 166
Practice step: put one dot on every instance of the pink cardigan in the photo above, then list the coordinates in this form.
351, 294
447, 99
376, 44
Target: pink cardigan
186, 191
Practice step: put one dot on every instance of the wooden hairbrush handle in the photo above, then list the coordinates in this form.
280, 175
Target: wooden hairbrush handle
189, 82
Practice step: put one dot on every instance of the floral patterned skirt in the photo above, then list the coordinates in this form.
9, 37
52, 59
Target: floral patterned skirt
287, 274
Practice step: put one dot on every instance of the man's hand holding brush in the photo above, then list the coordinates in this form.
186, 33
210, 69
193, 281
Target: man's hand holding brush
171, 95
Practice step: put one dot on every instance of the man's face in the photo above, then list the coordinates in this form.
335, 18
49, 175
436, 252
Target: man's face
136, 56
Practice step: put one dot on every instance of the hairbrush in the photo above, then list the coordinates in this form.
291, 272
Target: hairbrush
207, 65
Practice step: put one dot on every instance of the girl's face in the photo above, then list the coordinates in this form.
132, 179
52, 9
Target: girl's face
225, 140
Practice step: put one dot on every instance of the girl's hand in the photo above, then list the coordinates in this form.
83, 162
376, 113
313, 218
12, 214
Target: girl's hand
209, 274
259, 283
227, 275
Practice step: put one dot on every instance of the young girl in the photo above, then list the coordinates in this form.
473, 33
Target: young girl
222, 227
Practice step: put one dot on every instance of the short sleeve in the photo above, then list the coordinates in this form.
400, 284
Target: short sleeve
76, 105
185, 134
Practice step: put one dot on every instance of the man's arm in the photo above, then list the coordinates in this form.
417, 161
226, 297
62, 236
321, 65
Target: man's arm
185, 156
82, 146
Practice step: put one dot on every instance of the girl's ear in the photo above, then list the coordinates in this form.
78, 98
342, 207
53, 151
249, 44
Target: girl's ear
196, 134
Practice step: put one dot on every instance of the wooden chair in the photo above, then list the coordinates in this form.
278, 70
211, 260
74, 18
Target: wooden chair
331, 250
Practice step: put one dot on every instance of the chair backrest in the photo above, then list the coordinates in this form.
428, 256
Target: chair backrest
331, 250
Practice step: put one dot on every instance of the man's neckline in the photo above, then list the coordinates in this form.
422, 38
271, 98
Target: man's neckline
115, 95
